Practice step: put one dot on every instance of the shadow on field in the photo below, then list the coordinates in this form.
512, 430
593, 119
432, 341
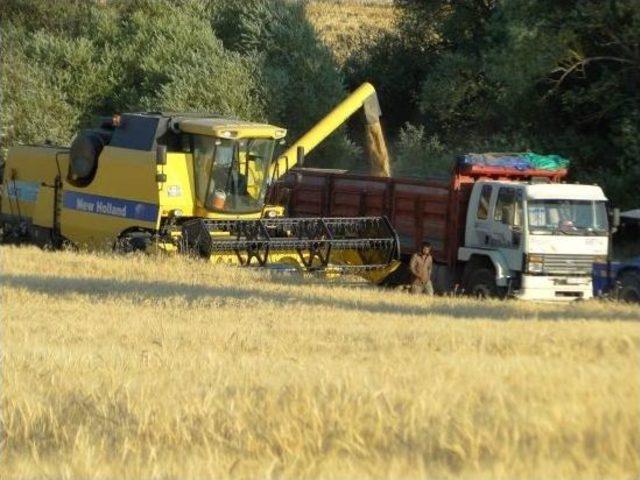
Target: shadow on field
109, 288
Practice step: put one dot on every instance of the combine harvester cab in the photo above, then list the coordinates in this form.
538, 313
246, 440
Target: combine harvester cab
178, 182
499, 225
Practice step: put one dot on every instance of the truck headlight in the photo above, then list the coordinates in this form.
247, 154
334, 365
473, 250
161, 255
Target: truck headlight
535, 263
535, 267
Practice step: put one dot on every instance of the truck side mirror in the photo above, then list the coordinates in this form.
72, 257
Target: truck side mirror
161, 155
615, 221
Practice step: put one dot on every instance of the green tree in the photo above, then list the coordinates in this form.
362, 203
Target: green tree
171, 59
300, 80
33, 111
550, 76
121, 56
258, 60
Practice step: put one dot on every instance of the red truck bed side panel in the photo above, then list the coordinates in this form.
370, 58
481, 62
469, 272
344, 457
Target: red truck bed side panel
417, 209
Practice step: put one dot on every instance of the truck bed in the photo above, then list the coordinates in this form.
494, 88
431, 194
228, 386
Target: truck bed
418, 209
429, 209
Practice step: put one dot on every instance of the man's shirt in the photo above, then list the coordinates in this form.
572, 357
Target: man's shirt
420, 266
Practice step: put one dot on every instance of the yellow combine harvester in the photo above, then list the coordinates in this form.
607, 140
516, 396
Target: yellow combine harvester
190, 183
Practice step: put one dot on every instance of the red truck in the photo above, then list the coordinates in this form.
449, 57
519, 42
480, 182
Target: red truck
495, 230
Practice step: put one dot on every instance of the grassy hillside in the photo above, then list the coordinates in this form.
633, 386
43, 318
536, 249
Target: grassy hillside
346, 25
132, 367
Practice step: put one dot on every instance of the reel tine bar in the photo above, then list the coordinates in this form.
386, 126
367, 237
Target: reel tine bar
314, 239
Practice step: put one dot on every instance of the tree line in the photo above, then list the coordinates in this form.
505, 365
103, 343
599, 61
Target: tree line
493, 75
64, 62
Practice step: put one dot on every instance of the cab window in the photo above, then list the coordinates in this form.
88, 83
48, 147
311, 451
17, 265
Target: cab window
484, 202
508, 209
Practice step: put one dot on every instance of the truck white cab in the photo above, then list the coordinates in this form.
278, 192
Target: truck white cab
542, 238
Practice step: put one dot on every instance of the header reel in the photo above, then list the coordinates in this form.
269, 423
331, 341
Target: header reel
345, 244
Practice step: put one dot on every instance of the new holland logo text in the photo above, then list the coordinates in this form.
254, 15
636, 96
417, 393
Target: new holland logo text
114, 207
106, 208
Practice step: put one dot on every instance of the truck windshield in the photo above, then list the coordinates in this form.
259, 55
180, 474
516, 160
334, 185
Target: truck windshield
567, 217
231, 174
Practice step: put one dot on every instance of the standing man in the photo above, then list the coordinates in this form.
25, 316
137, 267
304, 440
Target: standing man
421, 265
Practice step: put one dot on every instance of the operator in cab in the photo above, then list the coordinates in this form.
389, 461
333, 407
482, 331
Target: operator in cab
420, 265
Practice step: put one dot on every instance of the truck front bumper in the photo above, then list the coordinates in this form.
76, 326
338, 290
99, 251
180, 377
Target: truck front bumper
556, 288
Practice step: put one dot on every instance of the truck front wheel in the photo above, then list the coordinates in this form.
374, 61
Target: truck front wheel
630, 287
482, 284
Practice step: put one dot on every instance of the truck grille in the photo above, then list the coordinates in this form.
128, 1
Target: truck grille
555, 264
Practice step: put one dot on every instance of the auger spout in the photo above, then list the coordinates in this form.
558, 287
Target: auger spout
364, 97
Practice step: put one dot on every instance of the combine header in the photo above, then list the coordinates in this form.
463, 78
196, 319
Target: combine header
188, 183
316, 241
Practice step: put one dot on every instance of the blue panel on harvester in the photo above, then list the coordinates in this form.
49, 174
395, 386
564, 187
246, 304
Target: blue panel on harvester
114, 207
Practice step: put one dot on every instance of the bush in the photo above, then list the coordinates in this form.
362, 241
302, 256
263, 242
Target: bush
172, 60
33, 109
419, 155
149, 55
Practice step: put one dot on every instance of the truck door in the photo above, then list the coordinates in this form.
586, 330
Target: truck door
506, 228
479, 235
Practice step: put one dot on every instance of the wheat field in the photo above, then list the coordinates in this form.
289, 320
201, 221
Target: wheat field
145, 367
347, 26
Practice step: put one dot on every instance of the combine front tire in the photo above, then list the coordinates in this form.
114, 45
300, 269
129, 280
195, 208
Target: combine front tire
133, 242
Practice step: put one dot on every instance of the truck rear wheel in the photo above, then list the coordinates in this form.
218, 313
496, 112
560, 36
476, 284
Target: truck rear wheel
481, 283
630, 287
